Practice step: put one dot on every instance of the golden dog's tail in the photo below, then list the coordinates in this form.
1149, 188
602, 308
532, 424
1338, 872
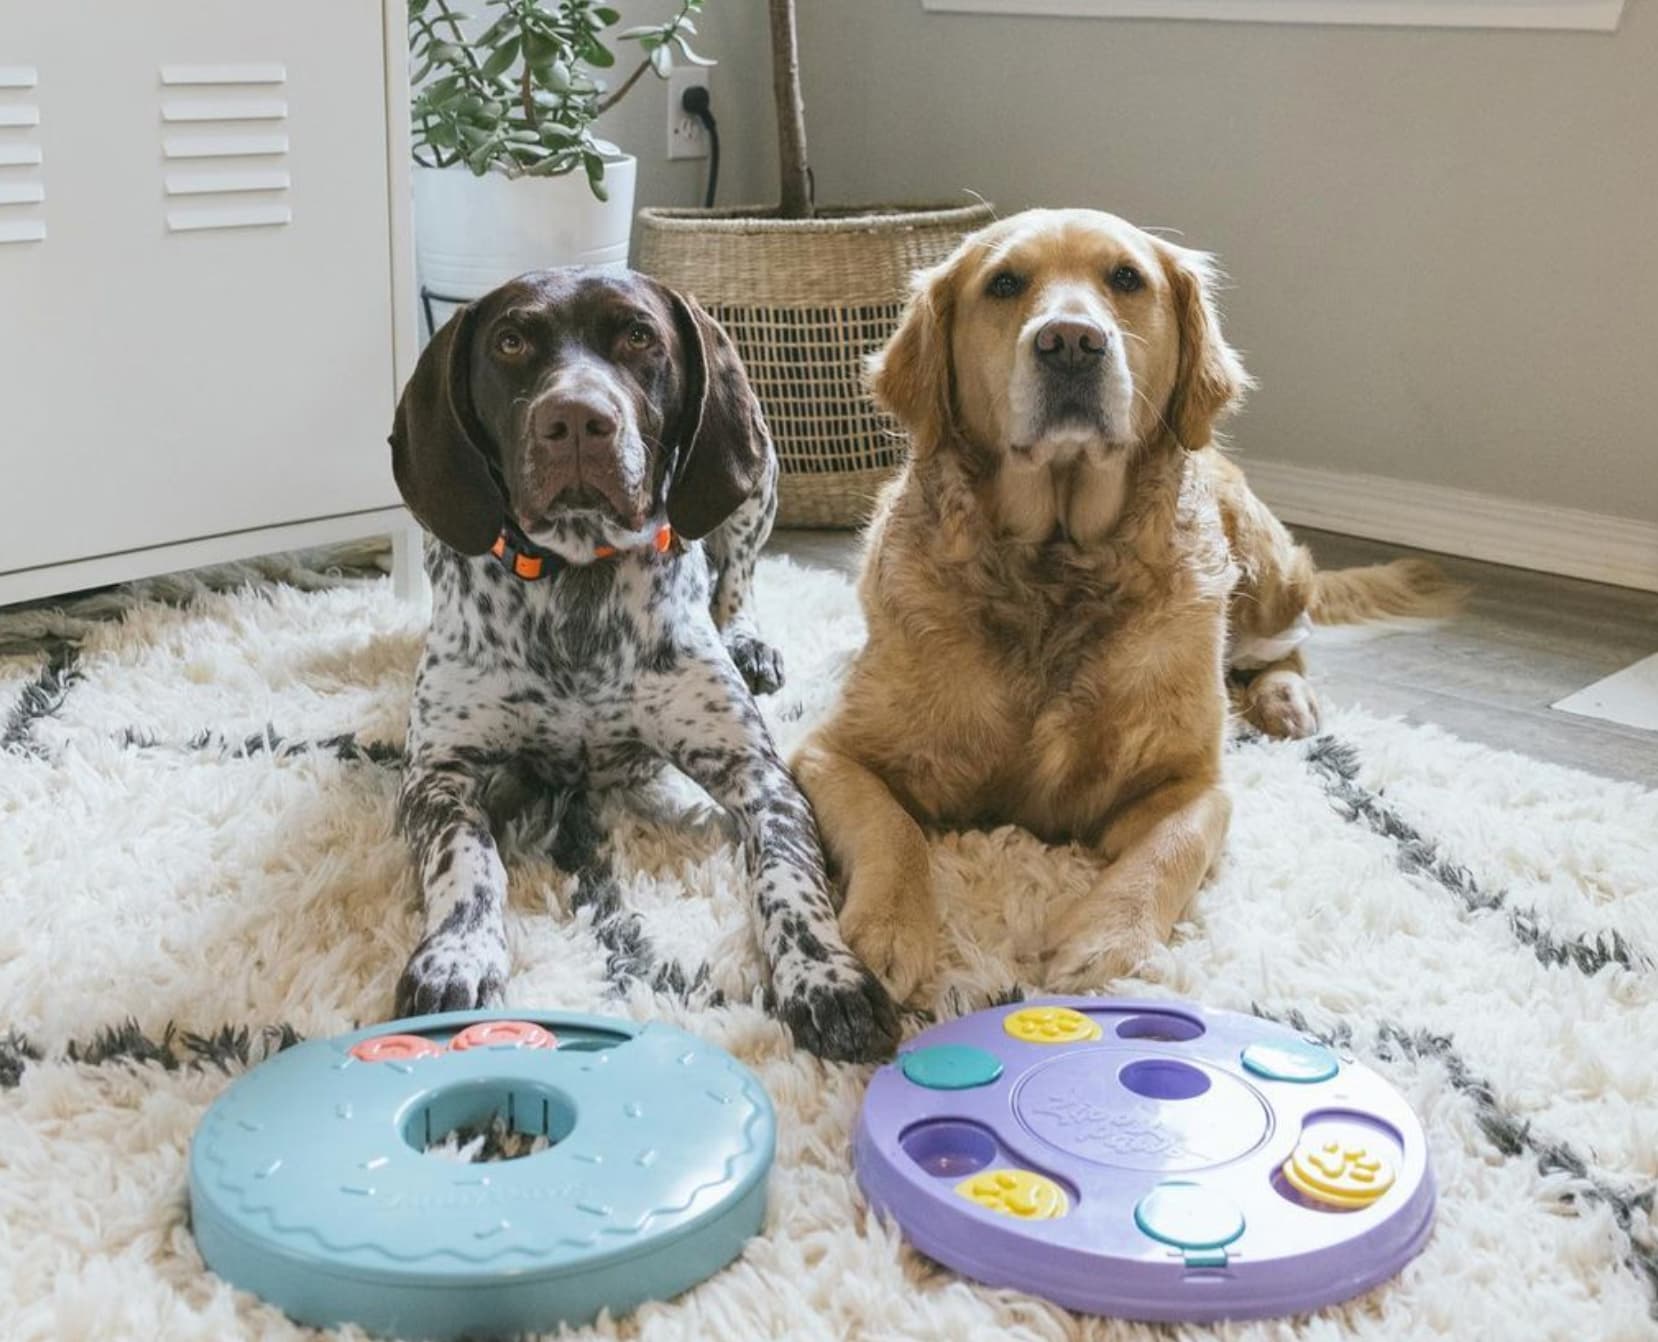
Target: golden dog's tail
1406, 589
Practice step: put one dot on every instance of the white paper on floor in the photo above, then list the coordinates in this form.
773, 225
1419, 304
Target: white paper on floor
1629, 697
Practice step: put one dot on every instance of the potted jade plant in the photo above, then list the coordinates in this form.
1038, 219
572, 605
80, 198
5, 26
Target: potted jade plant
806, 294
508, 174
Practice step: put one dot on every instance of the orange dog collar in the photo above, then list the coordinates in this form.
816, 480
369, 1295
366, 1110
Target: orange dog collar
529, 561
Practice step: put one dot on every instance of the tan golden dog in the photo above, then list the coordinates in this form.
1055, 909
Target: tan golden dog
1055, 588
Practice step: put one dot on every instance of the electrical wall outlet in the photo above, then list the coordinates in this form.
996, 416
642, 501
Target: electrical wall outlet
687, 137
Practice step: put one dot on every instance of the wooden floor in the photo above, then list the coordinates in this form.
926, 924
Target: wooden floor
1525, 640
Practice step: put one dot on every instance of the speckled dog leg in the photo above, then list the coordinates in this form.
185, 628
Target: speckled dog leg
704, 719
461, 962
733, 549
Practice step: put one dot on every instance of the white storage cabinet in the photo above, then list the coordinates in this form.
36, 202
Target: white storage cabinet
205, 282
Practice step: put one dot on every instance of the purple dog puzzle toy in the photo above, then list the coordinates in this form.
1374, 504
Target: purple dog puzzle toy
1146, 1160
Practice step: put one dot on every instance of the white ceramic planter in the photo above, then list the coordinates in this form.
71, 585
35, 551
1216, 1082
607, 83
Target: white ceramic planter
473, 233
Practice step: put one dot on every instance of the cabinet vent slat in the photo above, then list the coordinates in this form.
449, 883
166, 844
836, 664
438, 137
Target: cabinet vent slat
21, 193
19, 114
193, 220
22, 230
212, 183
223, 146
17, 77
223, 109
251, 73
18, 155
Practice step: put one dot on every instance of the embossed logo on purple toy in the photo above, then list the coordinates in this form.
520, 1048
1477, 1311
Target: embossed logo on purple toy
1120, 1108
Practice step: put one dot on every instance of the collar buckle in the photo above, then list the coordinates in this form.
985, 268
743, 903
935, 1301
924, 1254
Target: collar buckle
520, 556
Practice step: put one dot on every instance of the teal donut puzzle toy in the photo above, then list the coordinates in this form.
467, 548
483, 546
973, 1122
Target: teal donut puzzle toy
311, 1187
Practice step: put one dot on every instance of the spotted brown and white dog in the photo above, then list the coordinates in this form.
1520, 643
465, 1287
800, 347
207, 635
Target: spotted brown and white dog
597, 480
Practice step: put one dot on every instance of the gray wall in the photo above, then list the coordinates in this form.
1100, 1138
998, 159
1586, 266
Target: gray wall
1443, 245
732, 32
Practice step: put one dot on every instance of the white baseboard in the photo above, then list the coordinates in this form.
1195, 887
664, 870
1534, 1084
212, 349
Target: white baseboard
1618, 550
78, 574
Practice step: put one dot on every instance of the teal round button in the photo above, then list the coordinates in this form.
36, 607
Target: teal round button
951, 1067
1291, 1061
1188, 1216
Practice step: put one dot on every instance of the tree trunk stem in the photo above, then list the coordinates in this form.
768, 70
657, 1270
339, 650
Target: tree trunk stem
791, 112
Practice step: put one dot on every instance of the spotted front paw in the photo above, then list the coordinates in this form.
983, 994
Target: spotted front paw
759, 664
452, 973
843, 1014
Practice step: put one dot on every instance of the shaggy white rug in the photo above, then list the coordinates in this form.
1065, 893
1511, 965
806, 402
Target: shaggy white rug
197, 862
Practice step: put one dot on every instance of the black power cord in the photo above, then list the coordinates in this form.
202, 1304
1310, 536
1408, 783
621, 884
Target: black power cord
695, 102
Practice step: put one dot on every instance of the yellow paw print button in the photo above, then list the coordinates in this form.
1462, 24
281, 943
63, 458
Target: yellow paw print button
1051, 1025
1023, 1193
1338, 1173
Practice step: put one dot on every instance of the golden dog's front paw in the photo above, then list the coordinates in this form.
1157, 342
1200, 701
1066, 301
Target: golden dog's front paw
893, 930
1096, 941
1282, 704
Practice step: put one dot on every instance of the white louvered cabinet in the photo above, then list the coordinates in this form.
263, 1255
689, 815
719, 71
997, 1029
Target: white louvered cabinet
205, 287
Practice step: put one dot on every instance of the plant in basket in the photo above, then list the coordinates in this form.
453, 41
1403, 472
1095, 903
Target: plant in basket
807, 292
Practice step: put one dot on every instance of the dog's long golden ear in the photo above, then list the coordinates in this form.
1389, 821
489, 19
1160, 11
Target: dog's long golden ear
1211, 380
910, 378
436, 448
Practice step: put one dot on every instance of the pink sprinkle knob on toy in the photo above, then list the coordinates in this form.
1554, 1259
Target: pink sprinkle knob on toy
394, 1048
503, 1034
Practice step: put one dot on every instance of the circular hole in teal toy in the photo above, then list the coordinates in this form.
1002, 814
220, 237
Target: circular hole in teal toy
1164, 1079
949, 1149
1162, 1026
514, 1119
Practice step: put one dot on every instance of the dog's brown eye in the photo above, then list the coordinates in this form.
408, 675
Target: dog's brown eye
1005, 284
510, 344
1127, 280
639, 335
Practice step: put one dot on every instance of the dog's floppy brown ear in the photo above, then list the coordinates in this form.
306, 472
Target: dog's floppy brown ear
723, 443
1211, 380
910, 378
437, 454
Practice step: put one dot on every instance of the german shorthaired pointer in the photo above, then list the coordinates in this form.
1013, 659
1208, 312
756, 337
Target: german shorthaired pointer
597, 481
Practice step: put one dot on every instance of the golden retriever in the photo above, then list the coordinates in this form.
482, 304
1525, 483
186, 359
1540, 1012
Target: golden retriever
1056, 586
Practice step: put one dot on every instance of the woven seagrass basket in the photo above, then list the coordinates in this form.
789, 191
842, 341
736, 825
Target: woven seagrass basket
806, 301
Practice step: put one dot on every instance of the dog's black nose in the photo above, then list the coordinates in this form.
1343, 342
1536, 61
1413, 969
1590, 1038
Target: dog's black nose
1071, 343
570, 421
